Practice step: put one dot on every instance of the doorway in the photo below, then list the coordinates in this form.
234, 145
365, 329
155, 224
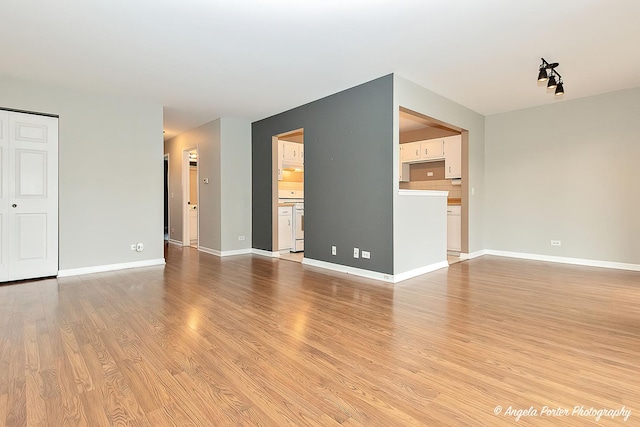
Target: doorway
166, 197
288, 200
190, 194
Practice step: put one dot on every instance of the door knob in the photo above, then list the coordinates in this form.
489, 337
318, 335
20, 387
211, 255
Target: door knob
14, 205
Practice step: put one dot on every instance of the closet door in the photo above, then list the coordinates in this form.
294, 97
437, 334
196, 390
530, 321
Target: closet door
4, 195
32, 242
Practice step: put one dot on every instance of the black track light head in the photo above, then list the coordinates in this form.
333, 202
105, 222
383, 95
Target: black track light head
552, 82
542, 74
560, 88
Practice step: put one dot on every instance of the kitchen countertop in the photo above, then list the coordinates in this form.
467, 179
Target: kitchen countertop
452, 201
283, 205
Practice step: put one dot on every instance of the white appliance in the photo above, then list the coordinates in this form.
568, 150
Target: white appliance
297, 234
298, 227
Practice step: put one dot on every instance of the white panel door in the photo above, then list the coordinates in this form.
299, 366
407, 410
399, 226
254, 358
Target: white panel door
33, 196
4, 195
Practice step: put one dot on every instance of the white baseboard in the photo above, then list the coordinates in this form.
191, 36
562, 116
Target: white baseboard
419, 271
237, 252
209, 251
389, 278
224, 253
265, 253
349, 270
565, 260
175, 242
110, 267
472, 255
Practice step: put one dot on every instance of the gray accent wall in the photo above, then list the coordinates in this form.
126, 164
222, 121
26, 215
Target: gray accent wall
110, 172
348, 140
224, 205
566, 171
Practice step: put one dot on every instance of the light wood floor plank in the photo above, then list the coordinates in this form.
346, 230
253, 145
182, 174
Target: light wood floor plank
254, 341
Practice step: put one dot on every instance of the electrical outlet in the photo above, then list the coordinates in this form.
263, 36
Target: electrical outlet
366, 254
139, 247
356, 253
133, 247
556, 243
333, 250
240, 238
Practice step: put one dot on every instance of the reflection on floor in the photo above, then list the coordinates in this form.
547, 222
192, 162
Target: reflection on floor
452, 259
293, 256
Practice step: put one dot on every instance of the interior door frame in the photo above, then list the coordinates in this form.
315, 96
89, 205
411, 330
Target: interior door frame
167, 177
186, 239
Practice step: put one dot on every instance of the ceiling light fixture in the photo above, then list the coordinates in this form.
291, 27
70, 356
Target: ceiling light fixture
547, 72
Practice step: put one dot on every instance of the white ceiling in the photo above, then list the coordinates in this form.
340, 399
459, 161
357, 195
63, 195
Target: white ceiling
204, 59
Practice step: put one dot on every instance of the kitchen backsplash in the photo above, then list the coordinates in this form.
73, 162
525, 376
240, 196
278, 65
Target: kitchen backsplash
455, 191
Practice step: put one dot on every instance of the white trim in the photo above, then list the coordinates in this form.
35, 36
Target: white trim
209, 251
427, 193
237, 252
472, 255
110, 267
265, 253
175, 242
419, 271
224, 253
349, 270
565, 260
389, 278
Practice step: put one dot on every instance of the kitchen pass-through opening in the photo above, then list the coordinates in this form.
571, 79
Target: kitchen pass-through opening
288, 202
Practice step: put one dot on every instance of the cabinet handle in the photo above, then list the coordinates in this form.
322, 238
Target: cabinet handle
417, 153
14, 205
288, 222
449, 169
426, 150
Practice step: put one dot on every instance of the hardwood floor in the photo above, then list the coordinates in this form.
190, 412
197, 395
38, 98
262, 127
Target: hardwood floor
249, 340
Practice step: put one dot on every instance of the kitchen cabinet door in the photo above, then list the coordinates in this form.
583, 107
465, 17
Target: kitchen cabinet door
454, 229
292, 152
453, 157
285, 228
280, 155
404, 168
410, 151
432, 149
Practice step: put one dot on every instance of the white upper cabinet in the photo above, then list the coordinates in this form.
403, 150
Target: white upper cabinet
432, 149
292, 152
403, 167
410, 151
453, 157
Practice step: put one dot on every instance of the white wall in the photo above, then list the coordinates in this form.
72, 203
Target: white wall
207, 139
566, 171
224, 157
422, 227
409, 95
110, 172
235, 184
